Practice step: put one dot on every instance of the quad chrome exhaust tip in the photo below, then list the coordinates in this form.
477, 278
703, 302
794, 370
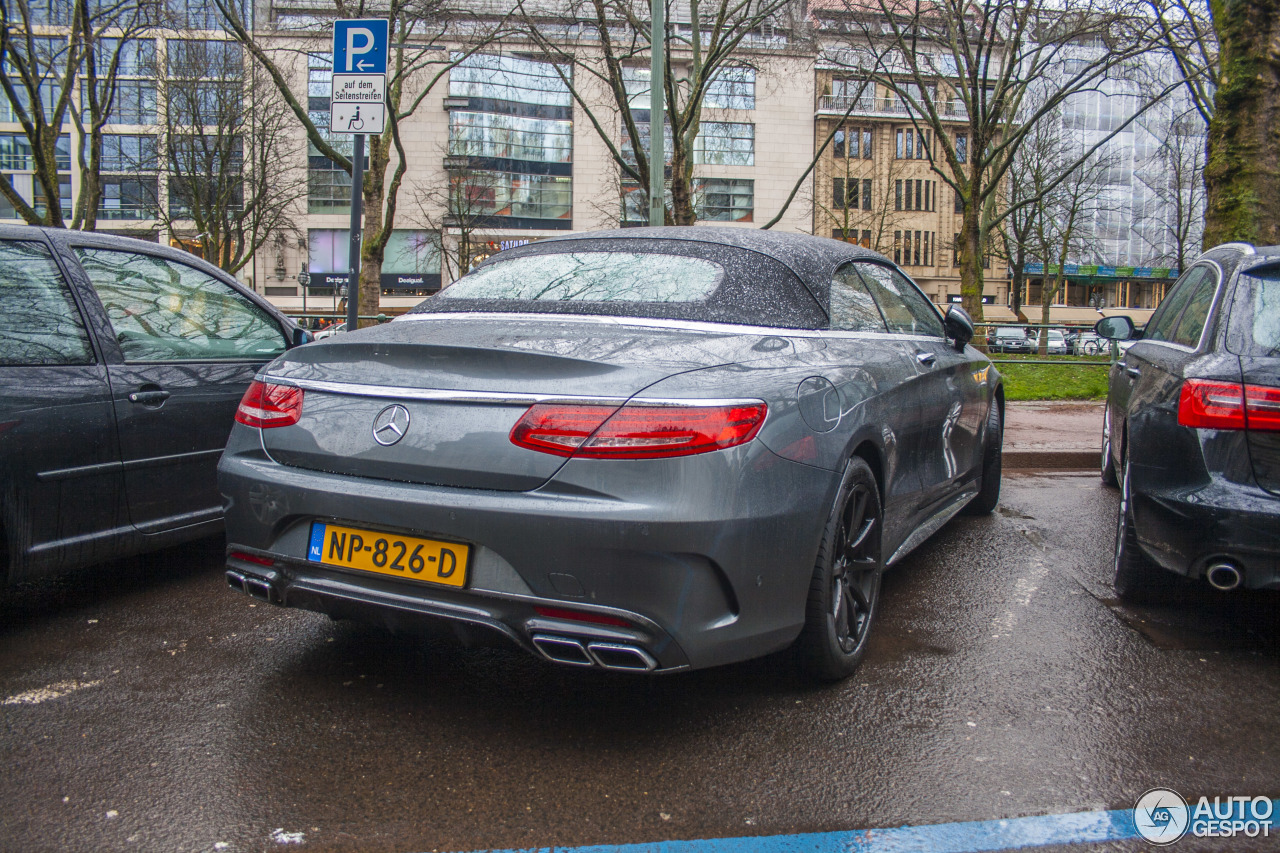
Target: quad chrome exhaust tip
619, 657
1224, 576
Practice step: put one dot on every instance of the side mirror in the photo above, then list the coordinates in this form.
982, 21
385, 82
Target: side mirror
301, 336
958, 325
1119, 328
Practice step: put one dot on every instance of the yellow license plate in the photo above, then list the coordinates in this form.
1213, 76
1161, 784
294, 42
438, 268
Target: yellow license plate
389, 554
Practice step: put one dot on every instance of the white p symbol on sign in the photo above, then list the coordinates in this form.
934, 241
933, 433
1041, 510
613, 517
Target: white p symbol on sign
353, 51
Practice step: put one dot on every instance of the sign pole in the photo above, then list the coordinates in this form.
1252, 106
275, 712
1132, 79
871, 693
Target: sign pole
657, 113
353, 249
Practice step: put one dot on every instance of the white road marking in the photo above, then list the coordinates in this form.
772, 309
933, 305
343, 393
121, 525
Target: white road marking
53, 691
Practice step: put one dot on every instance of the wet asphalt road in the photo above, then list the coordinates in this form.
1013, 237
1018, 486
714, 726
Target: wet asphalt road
1003, 681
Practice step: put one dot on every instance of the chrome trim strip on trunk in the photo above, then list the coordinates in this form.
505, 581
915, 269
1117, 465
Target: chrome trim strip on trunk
494, 398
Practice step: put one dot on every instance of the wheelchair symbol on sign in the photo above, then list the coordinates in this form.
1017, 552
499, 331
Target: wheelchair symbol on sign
355, 122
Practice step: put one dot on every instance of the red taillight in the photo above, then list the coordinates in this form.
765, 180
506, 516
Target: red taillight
635, 432
581, 616
267, 406
1227, 405
252, 558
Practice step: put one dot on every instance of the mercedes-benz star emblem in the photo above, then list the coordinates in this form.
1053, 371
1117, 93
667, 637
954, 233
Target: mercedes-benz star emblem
390, 425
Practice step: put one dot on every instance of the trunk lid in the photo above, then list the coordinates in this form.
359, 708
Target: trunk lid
463, 383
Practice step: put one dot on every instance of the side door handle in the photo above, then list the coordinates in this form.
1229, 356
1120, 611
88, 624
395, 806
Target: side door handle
150, 397
1133, 371
926, 358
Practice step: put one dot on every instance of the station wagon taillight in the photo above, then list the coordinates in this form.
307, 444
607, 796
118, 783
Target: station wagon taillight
1227, 405
635, 432
266, 405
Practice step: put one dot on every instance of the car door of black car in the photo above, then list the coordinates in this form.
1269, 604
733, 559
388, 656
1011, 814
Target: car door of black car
1153, 368
943, 430
61, 487
187, 345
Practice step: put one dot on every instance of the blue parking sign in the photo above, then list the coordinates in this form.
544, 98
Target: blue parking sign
360, 46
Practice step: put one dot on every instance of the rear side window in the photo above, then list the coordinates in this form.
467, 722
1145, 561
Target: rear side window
904, 309
1255, 316
39, 321
592, 277
852, 308
1196, 314
1161, 325
162, 310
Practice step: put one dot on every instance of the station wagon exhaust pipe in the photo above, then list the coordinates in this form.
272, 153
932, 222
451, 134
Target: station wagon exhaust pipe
562, 650
1224, 576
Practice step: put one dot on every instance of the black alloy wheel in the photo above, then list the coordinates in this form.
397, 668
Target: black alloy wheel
1108, 462
845, 590
988, 495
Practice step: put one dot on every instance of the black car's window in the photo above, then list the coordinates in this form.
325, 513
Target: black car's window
592, 277
39, 321
162, 310
1191, 323
904, 309
1255, 317
1162, 323
852, 308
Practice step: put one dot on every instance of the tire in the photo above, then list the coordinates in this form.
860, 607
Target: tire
844, 593
1137, 580
1108, 461
988, 495
1090, 347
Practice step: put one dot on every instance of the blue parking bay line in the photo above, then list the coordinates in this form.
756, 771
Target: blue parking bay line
970, 837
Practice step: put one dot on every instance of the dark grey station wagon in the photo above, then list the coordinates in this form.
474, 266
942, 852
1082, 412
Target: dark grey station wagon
121, 365
649, 450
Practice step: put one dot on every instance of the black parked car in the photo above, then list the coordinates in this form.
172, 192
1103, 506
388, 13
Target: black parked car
1192, 429
121, 366
1009, 339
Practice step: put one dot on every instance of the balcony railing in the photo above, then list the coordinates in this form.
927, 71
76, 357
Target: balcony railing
864, 106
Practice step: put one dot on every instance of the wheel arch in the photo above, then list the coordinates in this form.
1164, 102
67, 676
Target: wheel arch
868, 452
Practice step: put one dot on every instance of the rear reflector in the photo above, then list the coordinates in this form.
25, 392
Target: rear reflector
581, 616
251, 558
635, 432
265, 405
1227, 405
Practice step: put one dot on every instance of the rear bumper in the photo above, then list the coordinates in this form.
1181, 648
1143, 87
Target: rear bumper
1187, 530
707, 560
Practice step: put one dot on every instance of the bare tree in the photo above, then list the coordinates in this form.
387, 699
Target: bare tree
1186, 33
1175, 181
416, 63
706, 66
1003, 65
854, 212
462, 204
231, 181
42, 77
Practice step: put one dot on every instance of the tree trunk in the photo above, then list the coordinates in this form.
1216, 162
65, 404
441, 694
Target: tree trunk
971, 262
1242, 175
682, 210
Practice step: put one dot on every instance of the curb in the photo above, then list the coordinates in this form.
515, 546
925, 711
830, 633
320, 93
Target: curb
1021, 460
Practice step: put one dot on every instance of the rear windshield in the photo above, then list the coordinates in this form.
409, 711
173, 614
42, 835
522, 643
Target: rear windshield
1255, 317
592, 277
636, 277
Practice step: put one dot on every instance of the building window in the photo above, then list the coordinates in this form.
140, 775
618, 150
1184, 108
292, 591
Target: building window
851, 194
852, 143
517, 136
130, 177
731, 89
915, 195
959, 203
722, 143
913, 248
724, 200
962, 147
912, 144
17, 167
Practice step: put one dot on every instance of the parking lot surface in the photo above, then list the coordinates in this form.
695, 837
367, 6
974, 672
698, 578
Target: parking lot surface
147, 707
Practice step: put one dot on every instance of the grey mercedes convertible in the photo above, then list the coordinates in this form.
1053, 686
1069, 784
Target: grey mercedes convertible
647, 450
